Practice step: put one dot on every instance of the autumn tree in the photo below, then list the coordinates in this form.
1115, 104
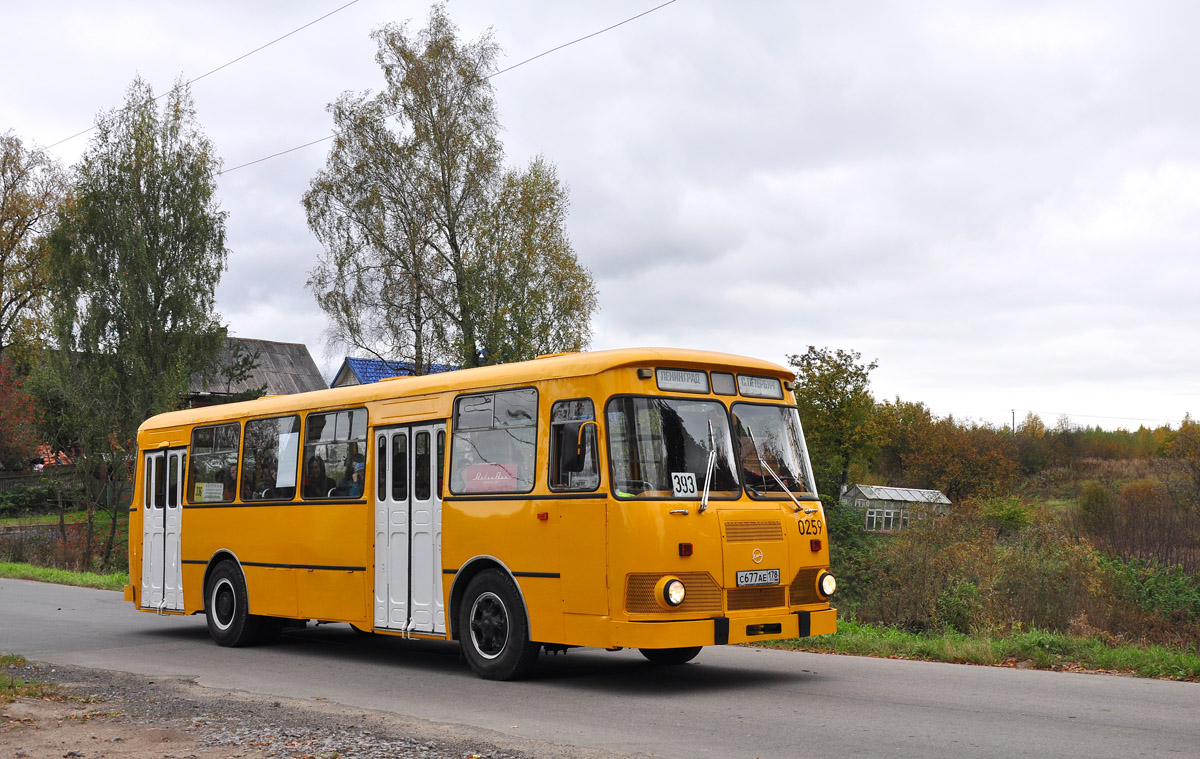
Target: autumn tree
834, 398
961, 459
1185, 447
898, 426
18, 435
135, 259
433, 251
1033, 447
31, 188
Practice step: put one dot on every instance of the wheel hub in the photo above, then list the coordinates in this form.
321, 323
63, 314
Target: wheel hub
489, 625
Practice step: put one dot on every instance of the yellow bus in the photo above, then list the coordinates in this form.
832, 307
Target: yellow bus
656, 499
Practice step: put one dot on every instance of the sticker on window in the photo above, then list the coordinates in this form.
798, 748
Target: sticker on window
490, 478
209, 491
684, 484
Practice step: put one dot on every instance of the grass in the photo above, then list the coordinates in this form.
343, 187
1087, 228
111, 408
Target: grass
1034, 648
13, 687
114, 581
71, 517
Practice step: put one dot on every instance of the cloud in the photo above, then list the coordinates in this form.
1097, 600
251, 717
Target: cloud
996, 200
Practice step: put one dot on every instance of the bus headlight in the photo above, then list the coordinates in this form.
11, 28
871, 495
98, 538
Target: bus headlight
826, 584
670, 592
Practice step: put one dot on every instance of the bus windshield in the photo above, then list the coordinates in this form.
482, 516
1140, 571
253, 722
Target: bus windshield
661, 448
771, 436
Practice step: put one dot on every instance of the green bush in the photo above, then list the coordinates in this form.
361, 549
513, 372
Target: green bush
1098, 511
1168, 591
1008, 513
849, 552
23, 499
958, 606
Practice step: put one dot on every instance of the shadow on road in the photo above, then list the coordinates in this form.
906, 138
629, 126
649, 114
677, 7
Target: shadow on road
590, 669
624, 672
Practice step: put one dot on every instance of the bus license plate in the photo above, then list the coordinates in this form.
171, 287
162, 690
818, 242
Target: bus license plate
758, 577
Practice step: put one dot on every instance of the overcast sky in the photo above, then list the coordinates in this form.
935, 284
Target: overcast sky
998, 201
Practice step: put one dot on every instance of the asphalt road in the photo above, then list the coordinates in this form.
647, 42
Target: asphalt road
730, 702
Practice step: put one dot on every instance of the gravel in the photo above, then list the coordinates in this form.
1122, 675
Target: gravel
232, 723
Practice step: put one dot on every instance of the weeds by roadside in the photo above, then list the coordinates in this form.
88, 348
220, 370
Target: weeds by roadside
14, 686
1036, 649
18, 571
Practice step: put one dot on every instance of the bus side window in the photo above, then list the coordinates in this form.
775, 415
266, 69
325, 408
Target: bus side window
213, 469
573, 460
335, 449
269, 456
494, 445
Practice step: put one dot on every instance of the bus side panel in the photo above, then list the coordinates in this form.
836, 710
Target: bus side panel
300, 560
511, 532
272, 591
193, 581
582, 536
332, 596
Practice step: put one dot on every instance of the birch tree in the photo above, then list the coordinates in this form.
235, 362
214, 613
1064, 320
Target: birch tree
433, 251
32, 187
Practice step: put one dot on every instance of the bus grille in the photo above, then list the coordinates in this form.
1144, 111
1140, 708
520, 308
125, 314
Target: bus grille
741, 599
804, 588
703, 593
749, 532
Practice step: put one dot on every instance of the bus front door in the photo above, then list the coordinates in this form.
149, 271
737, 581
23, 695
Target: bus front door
162, 518
408, 529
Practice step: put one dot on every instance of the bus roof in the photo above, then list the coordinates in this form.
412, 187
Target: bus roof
557, 366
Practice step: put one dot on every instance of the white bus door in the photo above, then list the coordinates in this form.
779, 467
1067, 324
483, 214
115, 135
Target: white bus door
162, 571
408, 529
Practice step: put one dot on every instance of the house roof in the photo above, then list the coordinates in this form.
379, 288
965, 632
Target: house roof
284, 368
368, 370
907, 495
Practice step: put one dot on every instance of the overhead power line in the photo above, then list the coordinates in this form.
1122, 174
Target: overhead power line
1070, 415
489, 76
581, 39
226, 65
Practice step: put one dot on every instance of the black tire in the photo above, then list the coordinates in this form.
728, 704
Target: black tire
668, 657
227, 608
493, 630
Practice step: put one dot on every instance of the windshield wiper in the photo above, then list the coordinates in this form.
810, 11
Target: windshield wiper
712, 459
762, 462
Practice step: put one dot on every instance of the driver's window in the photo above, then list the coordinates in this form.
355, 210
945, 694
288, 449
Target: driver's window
573, 459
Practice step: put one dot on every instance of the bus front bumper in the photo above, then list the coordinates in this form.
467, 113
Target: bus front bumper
722, 630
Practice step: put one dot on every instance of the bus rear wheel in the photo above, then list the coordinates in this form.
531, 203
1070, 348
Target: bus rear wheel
227, 610
493, 630
670, 656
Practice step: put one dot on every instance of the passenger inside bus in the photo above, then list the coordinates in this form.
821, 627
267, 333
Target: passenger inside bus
317, 484
265, 487
352, 484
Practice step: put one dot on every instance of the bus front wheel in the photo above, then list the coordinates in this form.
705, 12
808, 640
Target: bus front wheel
670, 656
493, 630
227, 609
